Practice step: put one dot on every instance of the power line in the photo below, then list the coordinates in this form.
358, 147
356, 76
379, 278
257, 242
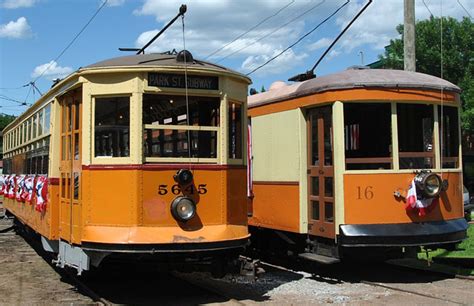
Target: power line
470, 16
431, 14
301, 38
72, 41
273, 31
252, 28
12, 100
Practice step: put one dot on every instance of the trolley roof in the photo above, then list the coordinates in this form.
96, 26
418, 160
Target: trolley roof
151, 60
354, 78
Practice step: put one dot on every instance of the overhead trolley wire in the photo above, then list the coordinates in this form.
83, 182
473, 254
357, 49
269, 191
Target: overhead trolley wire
301, 38
470, 16
273, 31
11, 100
252, 28
431, 14
72, 41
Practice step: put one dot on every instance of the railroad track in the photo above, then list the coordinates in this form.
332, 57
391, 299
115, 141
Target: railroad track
426, 292
144, 287
116, 285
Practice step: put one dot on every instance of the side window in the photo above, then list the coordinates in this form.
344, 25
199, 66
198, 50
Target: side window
112, 127
368, 136
415, 136
47, 118
235, 130
35, 125
449, 134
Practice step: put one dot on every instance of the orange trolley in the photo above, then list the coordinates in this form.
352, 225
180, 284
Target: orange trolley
139, 155
359, 159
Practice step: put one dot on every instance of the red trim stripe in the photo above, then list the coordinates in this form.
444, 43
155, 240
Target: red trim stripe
53, 181
163, 167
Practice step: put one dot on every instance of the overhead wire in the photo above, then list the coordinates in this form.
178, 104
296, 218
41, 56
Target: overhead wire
72, 41
300, 39
11, 99
272, 31
470, 16
250, 29
431, 14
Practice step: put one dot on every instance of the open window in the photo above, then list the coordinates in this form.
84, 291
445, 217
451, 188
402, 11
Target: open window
180, 128
415, 136
112, 127
367, 136
449, 134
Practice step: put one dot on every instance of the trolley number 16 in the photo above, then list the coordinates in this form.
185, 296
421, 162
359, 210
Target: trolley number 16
176, 189
365, 193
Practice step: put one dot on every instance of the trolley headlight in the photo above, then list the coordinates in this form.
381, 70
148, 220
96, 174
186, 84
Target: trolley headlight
183, 177
429, 183
183, 208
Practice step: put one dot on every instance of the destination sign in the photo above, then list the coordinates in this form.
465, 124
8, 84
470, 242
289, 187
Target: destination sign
177, 81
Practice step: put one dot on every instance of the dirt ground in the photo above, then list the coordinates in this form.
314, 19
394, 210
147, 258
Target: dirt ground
27, 279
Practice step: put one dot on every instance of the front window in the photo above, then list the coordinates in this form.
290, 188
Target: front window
235, 131
178, 127
415, 136
368, 136
449, 134
112, 127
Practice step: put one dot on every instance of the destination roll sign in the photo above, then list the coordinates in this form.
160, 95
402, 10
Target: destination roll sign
177, 81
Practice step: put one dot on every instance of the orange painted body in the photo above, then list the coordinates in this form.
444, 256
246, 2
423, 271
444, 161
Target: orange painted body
124, 206
47, 223
276, 206
378, 204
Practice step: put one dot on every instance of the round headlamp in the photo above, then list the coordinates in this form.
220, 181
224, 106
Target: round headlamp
430, 184
183, 177
183, 208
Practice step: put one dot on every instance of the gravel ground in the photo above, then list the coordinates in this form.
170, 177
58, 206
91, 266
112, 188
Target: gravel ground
26, 278
287, 287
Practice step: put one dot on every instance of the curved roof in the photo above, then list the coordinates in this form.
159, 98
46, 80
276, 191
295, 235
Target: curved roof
355, 78
156, 60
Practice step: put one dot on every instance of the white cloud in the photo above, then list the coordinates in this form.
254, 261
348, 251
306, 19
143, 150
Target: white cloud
279, 64
376, 26
13, 4
16, 29
322, 43
54, 71
219, 22
112, 3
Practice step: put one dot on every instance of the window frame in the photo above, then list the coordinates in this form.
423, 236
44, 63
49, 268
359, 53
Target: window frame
217, 129
395, 146
107, 160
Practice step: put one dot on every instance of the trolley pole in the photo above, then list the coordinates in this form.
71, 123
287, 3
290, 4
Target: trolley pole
409, 36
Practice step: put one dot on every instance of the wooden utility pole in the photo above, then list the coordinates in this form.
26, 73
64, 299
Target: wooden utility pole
409, 36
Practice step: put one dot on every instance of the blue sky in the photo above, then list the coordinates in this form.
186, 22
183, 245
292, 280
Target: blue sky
34, 32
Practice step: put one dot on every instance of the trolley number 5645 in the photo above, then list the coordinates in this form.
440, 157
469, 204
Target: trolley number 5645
176, 189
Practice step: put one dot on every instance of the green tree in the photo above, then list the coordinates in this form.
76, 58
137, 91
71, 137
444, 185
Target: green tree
4, 121
457, 58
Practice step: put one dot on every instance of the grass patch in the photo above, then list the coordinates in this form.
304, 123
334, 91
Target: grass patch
464, 250
459, 261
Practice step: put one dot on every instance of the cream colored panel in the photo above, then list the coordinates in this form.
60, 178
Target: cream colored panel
303, 139
235, 90
339, 162
276, 144
112, 84
55, 139
86, 124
